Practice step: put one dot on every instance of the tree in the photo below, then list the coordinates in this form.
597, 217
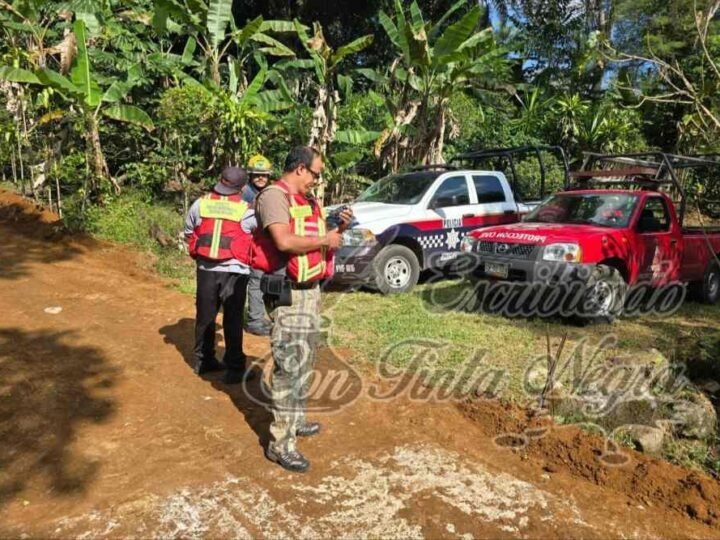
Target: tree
433, 63
83, 92
325, 63
207, 26
683, 74
558, 40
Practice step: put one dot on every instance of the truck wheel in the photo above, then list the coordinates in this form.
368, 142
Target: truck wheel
604, 297
710, 287
396, 269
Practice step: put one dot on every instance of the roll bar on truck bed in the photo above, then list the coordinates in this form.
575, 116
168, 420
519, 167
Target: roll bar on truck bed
644, 170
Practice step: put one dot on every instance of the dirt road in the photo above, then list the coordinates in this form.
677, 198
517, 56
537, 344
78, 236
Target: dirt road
106, 432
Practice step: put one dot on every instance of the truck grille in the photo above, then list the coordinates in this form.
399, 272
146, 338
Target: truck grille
516, 251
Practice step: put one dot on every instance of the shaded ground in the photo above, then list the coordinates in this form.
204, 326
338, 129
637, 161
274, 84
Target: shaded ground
106, 432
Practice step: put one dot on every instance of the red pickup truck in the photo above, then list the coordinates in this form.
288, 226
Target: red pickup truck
614, 229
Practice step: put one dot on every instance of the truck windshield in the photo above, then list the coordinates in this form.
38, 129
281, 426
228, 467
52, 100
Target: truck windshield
399, 189
601, 209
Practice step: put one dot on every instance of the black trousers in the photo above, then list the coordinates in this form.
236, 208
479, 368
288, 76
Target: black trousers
215, 289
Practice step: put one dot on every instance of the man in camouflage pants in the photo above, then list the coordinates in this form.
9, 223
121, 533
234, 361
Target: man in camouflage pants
292, 239
294, 339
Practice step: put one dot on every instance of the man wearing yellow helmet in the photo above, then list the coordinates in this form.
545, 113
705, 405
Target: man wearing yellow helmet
259, 169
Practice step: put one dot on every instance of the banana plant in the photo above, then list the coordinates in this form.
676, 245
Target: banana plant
211, 27
327, 84
433, 62
84, 92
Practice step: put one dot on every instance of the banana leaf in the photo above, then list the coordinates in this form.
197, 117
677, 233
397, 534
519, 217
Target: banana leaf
218, 17
129, 114
18, 75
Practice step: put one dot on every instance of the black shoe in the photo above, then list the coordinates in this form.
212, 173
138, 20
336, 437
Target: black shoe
262, 329
308, 429
207, 366
290, 461
236, 376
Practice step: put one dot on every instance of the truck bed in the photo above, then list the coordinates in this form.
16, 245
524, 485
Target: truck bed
714, 230
701, 249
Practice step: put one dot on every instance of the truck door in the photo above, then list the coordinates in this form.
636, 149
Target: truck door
659, 251
446, 207
495, 203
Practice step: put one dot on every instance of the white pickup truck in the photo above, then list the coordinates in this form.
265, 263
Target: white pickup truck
406, 223
410, 222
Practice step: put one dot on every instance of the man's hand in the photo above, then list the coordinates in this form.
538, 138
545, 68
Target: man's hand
346, 217
333, 239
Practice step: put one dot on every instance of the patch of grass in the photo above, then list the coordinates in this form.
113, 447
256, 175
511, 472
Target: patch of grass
373, 325
128, 220
179, 266
692, 454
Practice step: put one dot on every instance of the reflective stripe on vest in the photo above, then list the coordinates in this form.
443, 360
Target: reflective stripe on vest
219, 210
299, 213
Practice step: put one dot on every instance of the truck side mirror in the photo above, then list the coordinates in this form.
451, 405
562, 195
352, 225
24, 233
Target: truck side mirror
443, 202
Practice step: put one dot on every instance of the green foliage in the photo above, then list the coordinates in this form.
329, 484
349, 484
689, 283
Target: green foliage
602, 126
149, 177
188, 118
434, 63
128, 220
698, 455
222, 85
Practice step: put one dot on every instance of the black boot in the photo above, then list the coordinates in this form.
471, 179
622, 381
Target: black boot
207, 366
292, 461
308, 429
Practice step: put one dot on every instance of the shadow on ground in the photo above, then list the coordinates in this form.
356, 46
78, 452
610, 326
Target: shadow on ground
249, 399
28, 235
48, 388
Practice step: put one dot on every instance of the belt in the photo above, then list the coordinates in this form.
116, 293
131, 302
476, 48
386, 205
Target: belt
303, 286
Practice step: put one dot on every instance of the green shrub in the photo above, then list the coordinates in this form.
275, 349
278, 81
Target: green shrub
128, 218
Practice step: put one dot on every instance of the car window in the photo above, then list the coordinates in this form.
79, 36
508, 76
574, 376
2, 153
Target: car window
406, 188
601, 209
452, 192
654, 216
489, 189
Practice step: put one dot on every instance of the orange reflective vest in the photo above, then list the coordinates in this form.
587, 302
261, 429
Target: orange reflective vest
220, 237
307, 219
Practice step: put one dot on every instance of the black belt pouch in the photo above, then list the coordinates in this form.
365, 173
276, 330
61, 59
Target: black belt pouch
276, 289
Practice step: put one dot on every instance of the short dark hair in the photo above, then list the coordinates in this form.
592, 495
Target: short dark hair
300, 155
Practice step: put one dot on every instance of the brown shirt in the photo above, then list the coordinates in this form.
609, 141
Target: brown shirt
272, 206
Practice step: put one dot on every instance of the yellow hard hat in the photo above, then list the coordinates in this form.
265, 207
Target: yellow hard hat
259, 164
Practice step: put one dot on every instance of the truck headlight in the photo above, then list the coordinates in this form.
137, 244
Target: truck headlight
358, 238
467, 244
562, 253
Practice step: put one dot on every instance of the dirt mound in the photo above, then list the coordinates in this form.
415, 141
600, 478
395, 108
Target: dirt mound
21, 211
569, 449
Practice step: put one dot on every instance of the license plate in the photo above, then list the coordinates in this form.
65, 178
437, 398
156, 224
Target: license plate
497, 270
344, 268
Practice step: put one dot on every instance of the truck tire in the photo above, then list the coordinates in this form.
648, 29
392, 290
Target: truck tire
396, 269
709, 289
604, 297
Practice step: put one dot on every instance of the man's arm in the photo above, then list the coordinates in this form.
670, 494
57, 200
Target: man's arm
289, 242
249, 222
193, 219
273, 212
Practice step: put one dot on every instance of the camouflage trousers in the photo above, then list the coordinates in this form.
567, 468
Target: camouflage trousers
294, 340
